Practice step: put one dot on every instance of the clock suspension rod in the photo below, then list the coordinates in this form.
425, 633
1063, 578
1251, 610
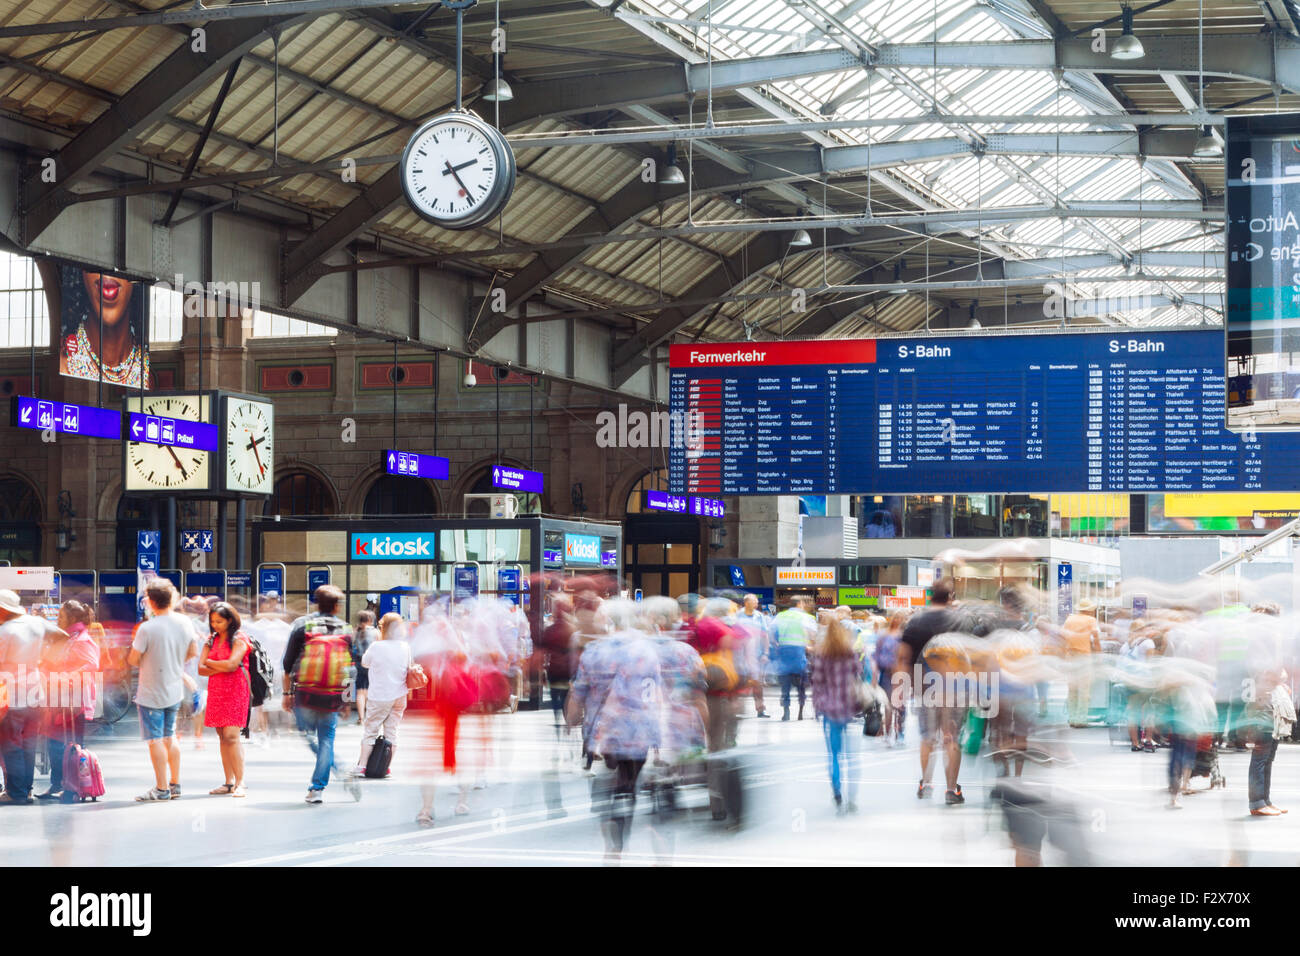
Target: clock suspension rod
171, 532
221, 534
241, 527
460, 47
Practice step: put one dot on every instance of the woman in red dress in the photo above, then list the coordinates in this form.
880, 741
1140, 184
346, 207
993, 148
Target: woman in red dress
224, 662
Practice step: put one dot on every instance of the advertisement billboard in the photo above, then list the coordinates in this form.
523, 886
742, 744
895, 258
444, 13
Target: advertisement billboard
103, 327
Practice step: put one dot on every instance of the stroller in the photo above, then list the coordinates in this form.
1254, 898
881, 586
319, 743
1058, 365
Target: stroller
1207, 762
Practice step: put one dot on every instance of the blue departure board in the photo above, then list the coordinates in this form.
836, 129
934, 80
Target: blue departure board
1107, 410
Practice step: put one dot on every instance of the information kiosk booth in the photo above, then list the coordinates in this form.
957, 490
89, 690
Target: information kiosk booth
404, 562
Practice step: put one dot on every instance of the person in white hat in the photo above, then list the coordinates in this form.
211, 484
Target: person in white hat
20, 652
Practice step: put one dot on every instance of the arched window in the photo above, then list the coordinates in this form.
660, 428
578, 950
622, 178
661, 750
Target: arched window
299, 493
20, 516
24, 313
654, 480
394, 495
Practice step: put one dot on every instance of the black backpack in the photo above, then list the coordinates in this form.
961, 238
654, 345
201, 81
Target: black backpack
261, 674
381, 756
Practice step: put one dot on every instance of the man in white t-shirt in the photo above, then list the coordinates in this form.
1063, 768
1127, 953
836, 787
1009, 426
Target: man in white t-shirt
162, 647
387, 659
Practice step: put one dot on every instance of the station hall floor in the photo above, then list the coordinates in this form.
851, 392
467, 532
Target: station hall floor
536, 810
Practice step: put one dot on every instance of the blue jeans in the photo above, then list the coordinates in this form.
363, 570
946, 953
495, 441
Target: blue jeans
20, 734
1261, 769
322, 723
836, 746
798, 681
1182, 758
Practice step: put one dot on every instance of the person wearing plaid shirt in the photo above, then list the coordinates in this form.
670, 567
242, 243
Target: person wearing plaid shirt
835, 677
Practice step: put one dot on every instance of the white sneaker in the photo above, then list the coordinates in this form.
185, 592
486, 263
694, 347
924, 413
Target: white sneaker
315, 796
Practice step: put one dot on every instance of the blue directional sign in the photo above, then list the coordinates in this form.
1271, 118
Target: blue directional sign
66, 418
200, 539
516, 479
706, 507
147, 547
663, 501
1065, 589
317, 578
414, 465
239, 579
157, 430
465, 582
508, 584
270, 581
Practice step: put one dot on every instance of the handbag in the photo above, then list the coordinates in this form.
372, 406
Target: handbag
416, 678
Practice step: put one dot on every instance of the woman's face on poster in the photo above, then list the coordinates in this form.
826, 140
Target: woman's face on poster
112, 292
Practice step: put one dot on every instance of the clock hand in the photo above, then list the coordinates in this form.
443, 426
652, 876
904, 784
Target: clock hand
174, 458
464, 190
253, 445
452, 169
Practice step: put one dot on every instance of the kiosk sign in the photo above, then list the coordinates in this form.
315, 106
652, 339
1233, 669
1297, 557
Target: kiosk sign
370, 546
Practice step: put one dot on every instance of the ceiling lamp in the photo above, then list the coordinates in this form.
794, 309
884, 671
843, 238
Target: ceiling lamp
497, 90
801, 238
1207, 147
1127, 47
673, 173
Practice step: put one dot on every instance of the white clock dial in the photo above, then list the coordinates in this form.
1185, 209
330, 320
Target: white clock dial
457, 171
152, 467
250, 437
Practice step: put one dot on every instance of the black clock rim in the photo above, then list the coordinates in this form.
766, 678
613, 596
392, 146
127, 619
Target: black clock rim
499, 196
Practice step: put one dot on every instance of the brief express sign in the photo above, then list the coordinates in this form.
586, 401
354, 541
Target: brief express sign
370, 546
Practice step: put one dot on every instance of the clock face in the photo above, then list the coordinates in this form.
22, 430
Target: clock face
458, 171
166, 467
250, 436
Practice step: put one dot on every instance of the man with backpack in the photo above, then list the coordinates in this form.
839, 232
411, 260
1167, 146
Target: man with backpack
318, 663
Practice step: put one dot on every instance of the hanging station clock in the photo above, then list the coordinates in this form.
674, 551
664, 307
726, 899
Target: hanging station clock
168, 468
458, 171
249, 438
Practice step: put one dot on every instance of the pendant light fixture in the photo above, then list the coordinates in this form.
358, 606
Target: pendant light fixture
1127, 47
672, 172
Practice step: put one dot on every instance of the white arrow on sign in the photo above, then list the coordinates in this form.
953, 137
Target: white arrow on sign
496, 474
27, 414
135, 428
390, 460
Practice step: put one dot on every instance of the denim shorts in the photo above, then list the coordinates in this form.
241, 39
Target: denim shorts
157, 723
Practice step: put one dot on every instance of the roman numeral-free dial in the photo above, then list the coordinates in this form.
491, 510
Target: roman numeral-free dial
458, 171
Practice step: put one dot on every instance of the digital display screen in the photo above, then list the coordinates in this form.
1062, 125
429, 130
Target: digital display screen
1070, 412
1262, 199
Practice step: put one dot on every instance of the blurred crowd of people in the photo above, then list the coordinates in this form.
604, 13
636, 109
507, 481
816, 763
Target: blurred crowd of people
647, 695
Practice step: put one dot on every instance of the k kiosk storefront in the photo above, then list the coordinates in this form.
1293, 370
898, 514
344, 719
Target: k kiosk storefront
409, 562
